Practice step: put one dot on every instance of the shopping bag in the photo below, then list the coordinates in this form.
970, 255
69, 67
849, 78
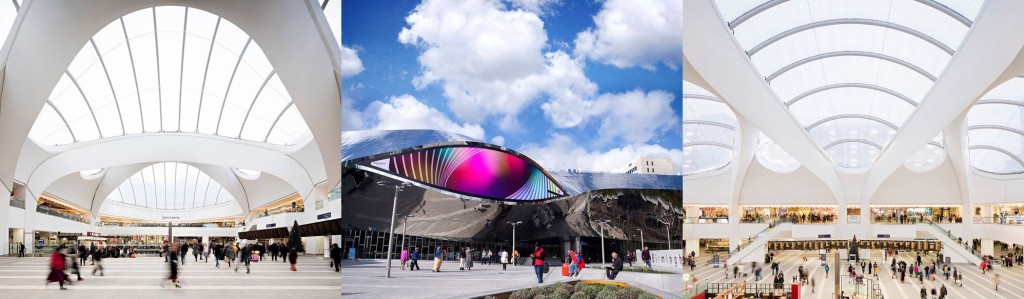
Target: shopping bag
565, 269
255, 257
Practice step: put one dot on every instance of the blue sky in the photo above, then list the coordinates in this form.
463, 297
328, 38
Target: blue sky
569, 83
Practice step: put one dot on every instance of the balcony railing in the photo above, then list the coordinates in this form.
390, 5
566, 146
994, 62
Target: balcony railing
914, 220
706, 220
17, 203
53, 212
1005, 220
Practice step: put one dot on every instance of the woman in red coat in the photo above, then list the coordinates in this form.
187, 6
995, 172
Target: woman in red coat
57, 266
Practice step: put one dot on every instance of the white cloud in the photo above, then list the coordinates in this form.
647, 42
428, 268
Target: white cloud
498, 140
534, 6
406, 112
490, 60
634, 116
351, 118
561, 152
635, 33
351, 65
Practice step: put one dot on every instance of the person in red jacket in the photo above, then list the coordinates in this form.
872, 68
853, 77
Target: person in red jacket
538, 262
57, 266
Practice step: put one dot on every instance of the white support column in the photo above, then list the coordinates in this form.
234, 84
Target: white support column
5, 225
318, 193
20, 192
987, 247
692, 245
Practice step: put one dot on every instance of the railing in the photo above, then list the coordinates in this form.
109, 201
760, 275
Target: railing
149, 224
949, 234
1006, 220
17, 203
758, 219
913, 220
750, 289
760, 234
792, 219
704, 220
282, 211
52, 212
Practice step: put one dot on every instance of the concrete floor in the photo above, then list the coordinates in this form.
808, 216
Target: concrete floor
976, 285
141, 277
365, 279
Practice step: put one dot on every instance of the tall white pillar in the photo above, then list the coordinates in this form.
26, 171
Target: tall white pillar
692, 245
20, 192
206, 240
5, 225
319, 193
987, 247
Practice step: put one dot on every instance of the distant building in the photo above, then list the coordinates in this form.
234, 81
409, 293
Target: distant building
648, 164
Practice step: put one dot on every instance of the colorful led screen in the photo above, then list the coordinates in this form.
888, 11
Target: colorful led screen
474, 171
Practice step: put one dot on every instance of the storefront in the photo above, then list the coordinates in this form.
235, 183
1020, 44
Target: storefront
803, 214
910, 215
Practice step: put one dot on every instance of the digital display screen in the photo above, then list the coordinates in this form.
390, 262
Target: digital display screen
474, 171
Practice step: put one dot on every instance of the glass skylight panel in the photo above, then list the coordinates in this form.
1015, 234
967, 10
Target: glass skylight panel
828, 58
170, 186
927, 158
773, 157
173, 69
709, 131
996, 130
967, 8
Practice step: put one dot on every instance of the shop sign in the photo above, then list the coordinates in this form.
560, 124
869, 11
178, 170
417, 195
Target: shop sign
323, 216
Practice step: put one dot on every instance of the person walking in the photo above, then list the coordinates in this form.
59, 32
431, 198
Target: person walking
613, 271
218, 254
57, 264
293, 257
244, 257
183, 252
404, 257
196, 250
77, 255
163, 251
515, 256
82, 254
206, 252
438, 257
469, 258
97, 261
21, 249
646, 256
538, 262
273, 252
504, 259
462, 259
414, 263
172, 257
229, 254
336, 257
995, 281
263, 250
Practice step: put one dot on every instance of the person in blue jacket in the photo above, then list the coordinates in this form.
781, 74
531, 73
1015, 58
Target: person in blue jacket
415, 257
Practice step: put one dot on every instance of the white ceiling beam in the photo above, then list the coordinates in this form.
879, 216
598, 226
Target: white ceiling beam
982, 62
713, 53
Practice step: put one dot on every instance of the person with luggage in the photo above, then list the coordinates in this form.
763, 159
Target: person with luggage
229, 254
574, 266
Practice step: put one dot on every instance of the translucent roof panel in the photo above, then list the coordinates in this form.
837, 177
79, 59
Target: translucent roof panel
8, 13
873, 59
709, 131
170, 69
773, 157
928, 157
170, 186
996, 129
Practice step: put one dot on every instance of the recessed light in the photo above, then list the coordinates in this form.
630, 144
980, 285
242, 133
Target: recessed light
831, 132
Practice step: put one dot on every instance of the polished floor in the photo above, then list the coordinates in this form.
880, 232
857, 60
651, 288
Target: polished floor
365, 279
976, 284
141, 278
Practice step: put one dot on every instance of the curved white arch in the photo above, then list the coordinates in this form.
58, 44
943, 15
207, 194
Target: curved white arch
209, 150
39, 56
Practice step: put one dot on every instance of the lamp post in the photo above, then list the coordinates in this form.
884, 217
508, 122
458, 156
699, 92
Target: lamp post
394, 206
514, 237
405, 228
601, 223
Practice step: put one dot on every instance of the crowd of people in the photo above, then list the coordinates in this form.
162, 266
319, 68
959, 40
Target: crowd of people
73, 257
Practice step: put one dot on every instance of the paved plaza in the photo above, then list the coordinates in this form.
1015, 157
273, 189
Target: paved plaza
976, 284
141, 278
365, 279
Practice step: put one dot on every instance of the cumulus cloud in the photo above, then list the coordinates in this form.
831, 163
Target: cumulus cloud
351, 118
561, 152
635, 34
406, 112
634, 116
498, 140
490, 60
351, 65
534, 6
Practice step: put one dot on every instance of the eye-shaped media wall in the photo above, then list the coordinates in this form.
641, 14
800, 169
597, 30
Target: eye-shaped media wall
479, 172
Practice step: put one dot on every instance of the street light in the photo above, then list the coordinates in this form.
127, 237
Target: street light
405, 228
601, 223
514, 237
394, 206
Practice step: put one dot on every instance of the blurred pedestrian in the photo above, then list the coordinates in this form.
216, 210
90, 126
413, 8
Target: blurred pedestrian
293, 256
172, 257
57, 265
